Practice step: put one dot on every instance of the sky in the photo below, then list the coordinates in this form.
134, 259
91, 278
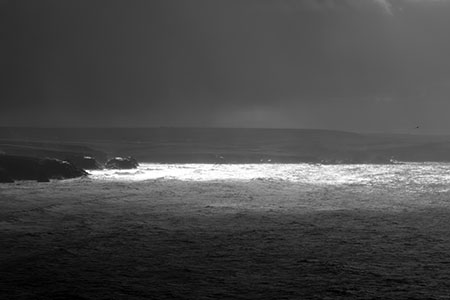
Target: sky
358, 65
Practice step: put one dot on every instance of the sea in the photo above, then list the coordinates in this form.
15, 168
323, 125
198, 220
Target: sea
231, 214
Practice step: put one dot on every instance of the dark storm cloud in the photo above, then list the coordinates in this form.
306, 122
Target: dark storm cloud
349, 64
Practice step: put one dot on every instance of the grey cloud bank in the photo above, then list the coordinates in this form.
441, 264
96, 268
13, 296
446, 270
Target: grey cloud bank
353, 65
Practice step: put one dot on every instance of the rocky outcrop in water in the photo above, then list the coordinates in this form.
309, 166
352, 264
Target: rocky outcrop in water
84, 162
4, 177
40, 169
122, 163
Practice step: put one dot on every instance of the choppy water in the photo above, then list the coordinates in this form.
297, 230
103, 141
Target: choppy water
259, 231
421, 176
302, 187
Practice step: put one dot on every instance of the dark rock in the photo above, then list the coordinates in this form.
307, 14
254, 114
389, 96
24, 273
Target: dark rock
32, 168
122, 163
42, 178
4, 177
84, 162
60, 169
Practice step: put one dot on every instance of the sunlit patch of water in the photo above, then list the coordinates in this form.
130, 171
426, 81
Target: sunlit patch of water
415, 175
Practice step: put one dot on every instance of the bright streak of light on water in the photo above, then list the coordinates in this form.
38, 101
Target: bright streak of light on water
417, 174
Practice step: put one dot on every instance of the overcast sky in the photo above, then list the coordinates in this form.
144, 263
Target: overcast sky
360, 65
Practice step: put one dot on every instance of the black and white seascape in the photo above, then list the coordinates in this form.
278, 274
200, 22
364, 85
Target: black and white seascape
198, 149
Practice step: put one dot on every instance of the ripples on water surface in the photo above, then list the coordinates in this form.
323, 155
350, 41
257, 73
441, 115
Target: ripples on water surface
303, 187
432, 175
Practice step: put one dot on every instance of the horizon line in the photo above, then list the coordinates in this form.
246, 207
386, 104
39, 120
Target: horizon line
219, 127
